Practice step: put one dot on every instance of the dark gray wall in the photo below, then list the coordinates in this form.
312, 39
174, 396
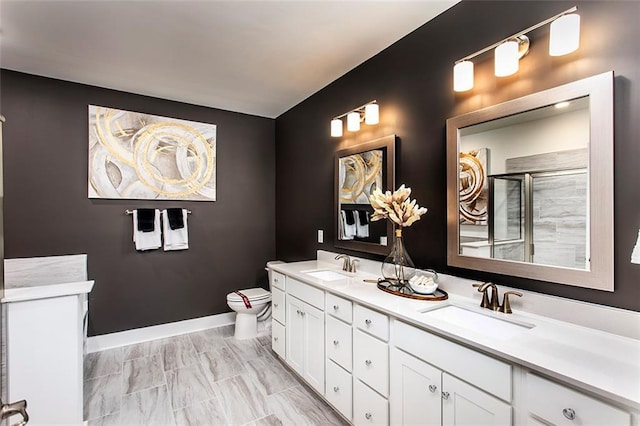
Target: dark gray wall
412, 81
47, 211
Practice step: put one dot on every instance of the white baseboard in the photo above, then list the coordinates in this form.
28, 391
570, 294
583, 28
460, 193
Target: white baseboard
139, 335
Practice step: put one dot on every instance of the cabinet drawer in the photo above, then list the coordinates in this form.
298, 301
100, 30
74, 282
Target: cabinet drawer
557, 404
277, 305
339, 342
309, 294
340, 308
371, 361
277, 338
372, 322
369, 408
480, 370
278, 280
339, 389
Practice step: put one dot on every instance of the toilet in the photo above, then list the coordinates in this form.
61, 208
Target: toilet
248, 304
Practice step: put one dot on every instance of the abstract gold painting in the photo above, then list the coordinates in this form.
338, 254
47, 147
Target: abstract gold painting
147, 157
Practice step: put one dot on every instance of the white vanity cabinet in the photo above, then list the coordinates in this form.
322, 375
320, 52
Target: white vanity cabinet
278, 306
548, 402
305, 332
436, 381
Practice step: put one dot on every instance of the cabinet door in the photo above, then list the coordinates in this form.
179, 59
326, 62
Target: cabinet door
339, 344
415, 391
339, 389
314, 347
369, 407
371, 361
278, 339
463, 404
295, 334
278, 305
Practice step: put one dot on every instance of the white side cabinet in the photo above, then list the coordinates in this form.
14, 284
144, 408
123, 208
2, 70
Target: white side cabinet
278, 306
305, 332
339, 350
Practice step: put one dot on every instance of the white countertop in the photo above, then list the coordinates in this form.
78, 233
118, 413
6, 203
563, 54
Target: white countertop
21, 294
600, 362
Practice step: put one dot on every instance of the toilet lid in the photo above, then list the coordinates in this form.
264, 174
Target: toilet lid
254, 294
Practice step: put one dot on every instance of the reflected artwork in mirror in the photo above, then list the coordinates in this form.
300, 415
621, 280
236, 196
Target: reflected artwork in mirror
530, 186
359, 170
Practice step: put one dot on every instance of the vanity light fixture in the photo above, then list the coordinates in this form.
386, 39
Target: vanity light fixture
369, 113
564, 38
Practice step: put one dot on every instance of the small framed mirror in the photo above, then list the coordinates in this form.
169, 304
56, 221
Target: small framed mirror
530, 186
358, 171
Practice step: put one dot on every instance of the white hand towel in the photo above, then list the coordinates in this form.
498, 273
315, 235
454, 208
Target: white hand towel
362, 227
147, 240
635, 255
175, 239
348, 231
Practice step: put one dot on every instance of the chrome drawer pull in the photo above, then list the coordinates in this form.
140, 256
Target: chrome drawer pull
367, 416
335, 342
445, 395
368, 362
302, 313
275, 305
275, 339
298, 311
336, 389
433, 388
335, 307
569, 413
367, 321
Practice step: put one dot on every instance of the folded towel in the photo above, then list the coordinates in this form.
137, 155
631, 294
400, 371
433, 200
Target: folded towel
147, 240
348, 231
362, 224
349, 215
146, 220
175, 239
175, 218
635, 254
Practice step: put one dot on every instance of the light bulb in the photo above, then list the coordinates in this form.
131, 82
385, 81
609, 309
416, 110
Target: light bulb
336, 127
371, 114
564, 35
507, 60
353, 121
463, 76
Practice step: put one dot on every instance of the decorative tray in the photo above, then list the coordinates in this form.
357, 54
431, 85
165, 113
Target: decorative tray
406, 291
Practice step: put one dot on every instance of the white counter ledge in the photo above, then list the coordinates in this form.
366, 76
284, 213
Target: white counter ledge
603, 363
21, 294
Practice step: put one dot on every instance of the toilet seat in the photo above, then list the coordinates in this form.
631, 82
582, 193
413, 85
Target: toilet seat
253, 294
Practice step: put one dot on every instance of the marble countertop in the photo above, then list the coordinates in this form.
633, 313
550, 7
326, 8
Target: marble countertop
604, 363
22, 294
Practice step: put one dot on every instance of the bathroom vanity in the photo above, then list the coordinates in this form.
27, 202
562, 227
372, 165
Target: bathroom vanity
46, 308
382, 359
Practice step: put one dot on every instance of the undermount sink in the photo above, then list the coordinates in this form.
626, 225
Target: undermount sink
487, 324
326, 274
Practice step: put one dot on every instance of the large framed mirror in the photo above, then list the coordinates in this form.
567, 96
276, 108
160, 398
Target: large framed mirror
358, 171
530, 186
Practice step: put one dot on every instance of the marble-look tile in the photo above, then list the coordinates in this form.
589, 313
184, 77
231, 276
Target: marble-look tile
207, 340
187, 386
298, 406
178, 352
102, 396
35, 271
103, 363
227, 330
142, 373
270, 420
264, 339
204, 413
246, 349
269, 375
221, 364
108, 420
141, 350
241, 401
147, 407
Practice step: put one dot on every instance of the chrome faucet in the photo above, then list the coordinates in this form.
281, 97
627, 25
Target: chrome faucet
348, 264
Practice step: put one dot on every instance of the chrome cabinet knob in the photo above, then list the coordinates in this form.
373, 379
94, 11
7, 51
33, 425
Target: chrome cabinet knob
298, 311
445, 395
367, 321
336, 307
367, 416
569, 413
433, 388
335, 342
368, 362
336, 389
275, 305
302, 313
275, 339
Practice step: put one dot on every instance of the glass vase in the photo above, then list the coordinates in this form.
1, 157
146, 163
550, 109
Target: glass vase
397, 267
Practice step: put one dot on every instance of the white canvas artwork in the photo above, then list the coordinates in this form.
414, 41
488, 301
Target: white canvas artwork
147, 157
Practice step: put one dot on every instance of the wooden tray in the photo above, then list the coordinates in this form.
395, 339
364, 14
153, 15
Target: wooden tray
437, 296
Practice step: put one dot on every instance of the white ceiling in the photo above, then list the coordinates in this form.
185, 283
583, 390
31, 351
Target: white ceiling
255, 57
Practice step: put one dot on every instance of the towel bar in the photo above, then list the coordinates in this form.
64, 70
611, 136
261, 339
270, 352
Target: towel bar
131, 211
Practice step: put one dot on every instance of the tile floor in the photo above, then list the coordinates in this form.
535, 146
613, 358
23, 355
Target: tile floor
203, 378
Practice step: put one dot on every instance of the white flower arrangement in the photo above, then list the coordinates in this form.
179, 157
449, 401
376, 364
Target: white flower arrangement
397, 206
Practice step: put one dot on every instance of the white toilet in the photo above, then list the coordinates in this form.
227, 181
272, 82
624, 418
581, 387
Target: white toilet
247, 308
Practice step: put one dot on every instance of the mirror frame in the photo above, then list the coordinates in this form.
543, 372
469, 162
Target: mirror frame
389, 144
600, 275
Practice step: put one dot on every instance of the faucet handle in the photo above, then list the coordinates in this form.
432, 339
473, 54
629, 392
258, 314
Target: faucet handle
485, 298
506, 307
354, 263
